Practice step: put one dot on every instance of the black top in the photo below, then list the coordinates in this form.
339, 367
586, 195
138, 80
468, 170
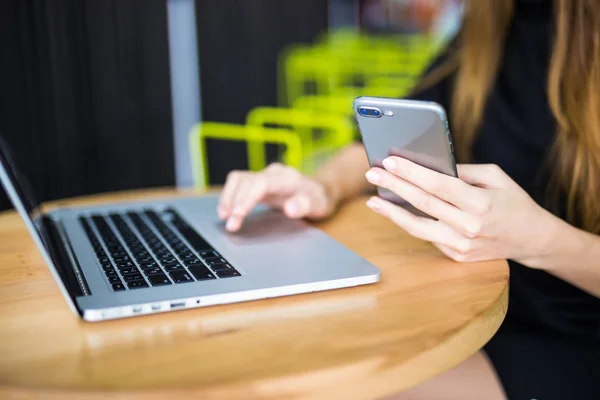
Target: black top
517, 132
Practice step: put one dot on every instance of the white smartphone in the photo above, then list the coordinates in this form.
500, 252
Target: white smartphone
415, 130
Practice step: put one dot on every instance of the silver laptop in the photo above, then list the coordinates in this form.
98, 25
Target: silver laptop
126, 259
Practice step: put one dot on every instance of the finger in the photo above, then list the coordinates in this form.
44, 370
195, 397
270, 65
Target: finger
450, 252
424, 201
448, 188
249, 196
419, 227
482, 175
231, 185
234, 222
282, 180
459, 256
304, 205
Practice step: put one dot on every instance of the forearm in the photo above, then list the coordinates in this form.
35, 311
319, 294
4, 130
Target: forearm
344, 174
572, 255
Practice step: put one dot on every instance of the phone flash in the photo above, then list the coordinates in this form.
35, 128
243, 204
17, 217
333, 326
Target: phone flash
388, 113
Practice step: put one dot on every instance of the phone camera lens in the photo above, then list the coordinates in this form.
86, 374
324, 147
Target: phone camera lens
369, 112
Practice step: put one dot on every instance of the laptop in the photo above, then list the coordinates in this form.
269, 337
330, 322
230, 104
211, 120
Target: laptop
127, 259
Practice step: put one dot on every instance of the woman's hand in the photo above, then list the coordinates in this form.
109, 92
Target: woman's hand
483, 215
278, 186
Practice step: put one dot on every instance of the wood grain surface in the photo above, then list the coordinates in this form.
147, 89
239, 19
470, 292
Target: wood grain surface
426, 315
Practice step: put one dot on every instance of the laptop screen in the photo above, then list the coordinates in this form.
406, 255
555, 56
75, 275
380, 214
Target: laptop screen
19, 190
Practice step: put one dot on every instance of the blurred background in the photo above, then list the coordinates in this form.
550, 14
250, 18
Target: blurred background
99, 96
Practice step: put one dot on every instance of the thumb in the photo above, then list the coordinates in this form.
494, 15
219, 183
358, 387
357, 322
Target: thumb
303, 205
482, 175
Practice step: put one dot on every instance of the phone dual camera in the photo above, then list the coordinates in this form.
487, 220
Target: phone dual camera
373, 112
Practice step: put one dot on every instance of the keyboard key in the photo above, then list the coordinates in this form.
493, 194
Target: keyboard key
194, 261
148, 265
221, 267
184, 229
201, 272
228, 273
216, 260
107, 266
153, 271
183, 253
208, 254
118, 287
159, 280
114, 279
110, 272
128, 270
125, 264
132, 277
181, 277
180, 246
174, 267
137, 284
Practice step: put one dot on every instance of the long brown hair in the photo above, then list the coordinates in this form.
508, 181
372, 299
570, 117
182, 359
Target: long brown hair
573, 90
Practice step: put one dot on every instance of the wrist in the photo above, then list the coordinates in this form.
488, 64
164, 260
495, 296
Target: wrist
331, 191
544, 235
558, 240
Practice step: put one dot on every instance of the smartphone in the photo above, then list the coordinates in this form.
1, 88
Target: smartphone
415, 130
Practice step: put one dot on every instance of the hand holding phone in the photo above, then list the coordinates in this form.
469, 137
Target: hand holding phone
415, 130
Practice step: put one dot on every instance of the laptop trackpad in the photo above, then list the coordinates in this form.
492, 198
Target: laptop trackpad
268, 226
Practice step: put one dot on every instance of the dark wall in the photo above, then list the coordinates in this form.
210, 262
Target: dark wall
85, 94
85, 88
239, 42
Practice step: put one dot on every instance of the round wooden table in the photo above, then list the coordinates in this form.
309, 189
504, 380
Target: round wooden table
426, 315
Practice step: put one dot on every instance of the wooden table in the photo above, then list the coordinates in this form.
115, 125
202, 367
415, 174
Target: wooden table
426, 315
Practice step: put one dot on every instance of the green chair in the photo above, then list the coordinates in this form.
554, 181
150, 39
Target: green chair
318, 131
250, 134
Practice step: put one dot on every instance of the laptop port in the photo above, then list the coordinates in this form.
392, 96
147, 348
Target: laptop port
155, 307
137, 309
178, 305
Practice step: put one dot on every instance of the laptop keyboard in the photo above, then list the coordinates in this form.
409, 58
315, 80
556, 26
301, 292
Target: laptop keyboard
139, 250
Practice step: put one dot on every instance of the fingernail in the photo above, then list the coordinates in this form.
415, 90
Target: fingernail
291, 207
372, 176
372, 205
390, 164
232, 224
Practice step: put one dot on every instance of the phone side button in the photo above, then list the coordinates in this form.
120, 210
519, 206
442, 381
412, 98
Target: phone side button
451, 147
